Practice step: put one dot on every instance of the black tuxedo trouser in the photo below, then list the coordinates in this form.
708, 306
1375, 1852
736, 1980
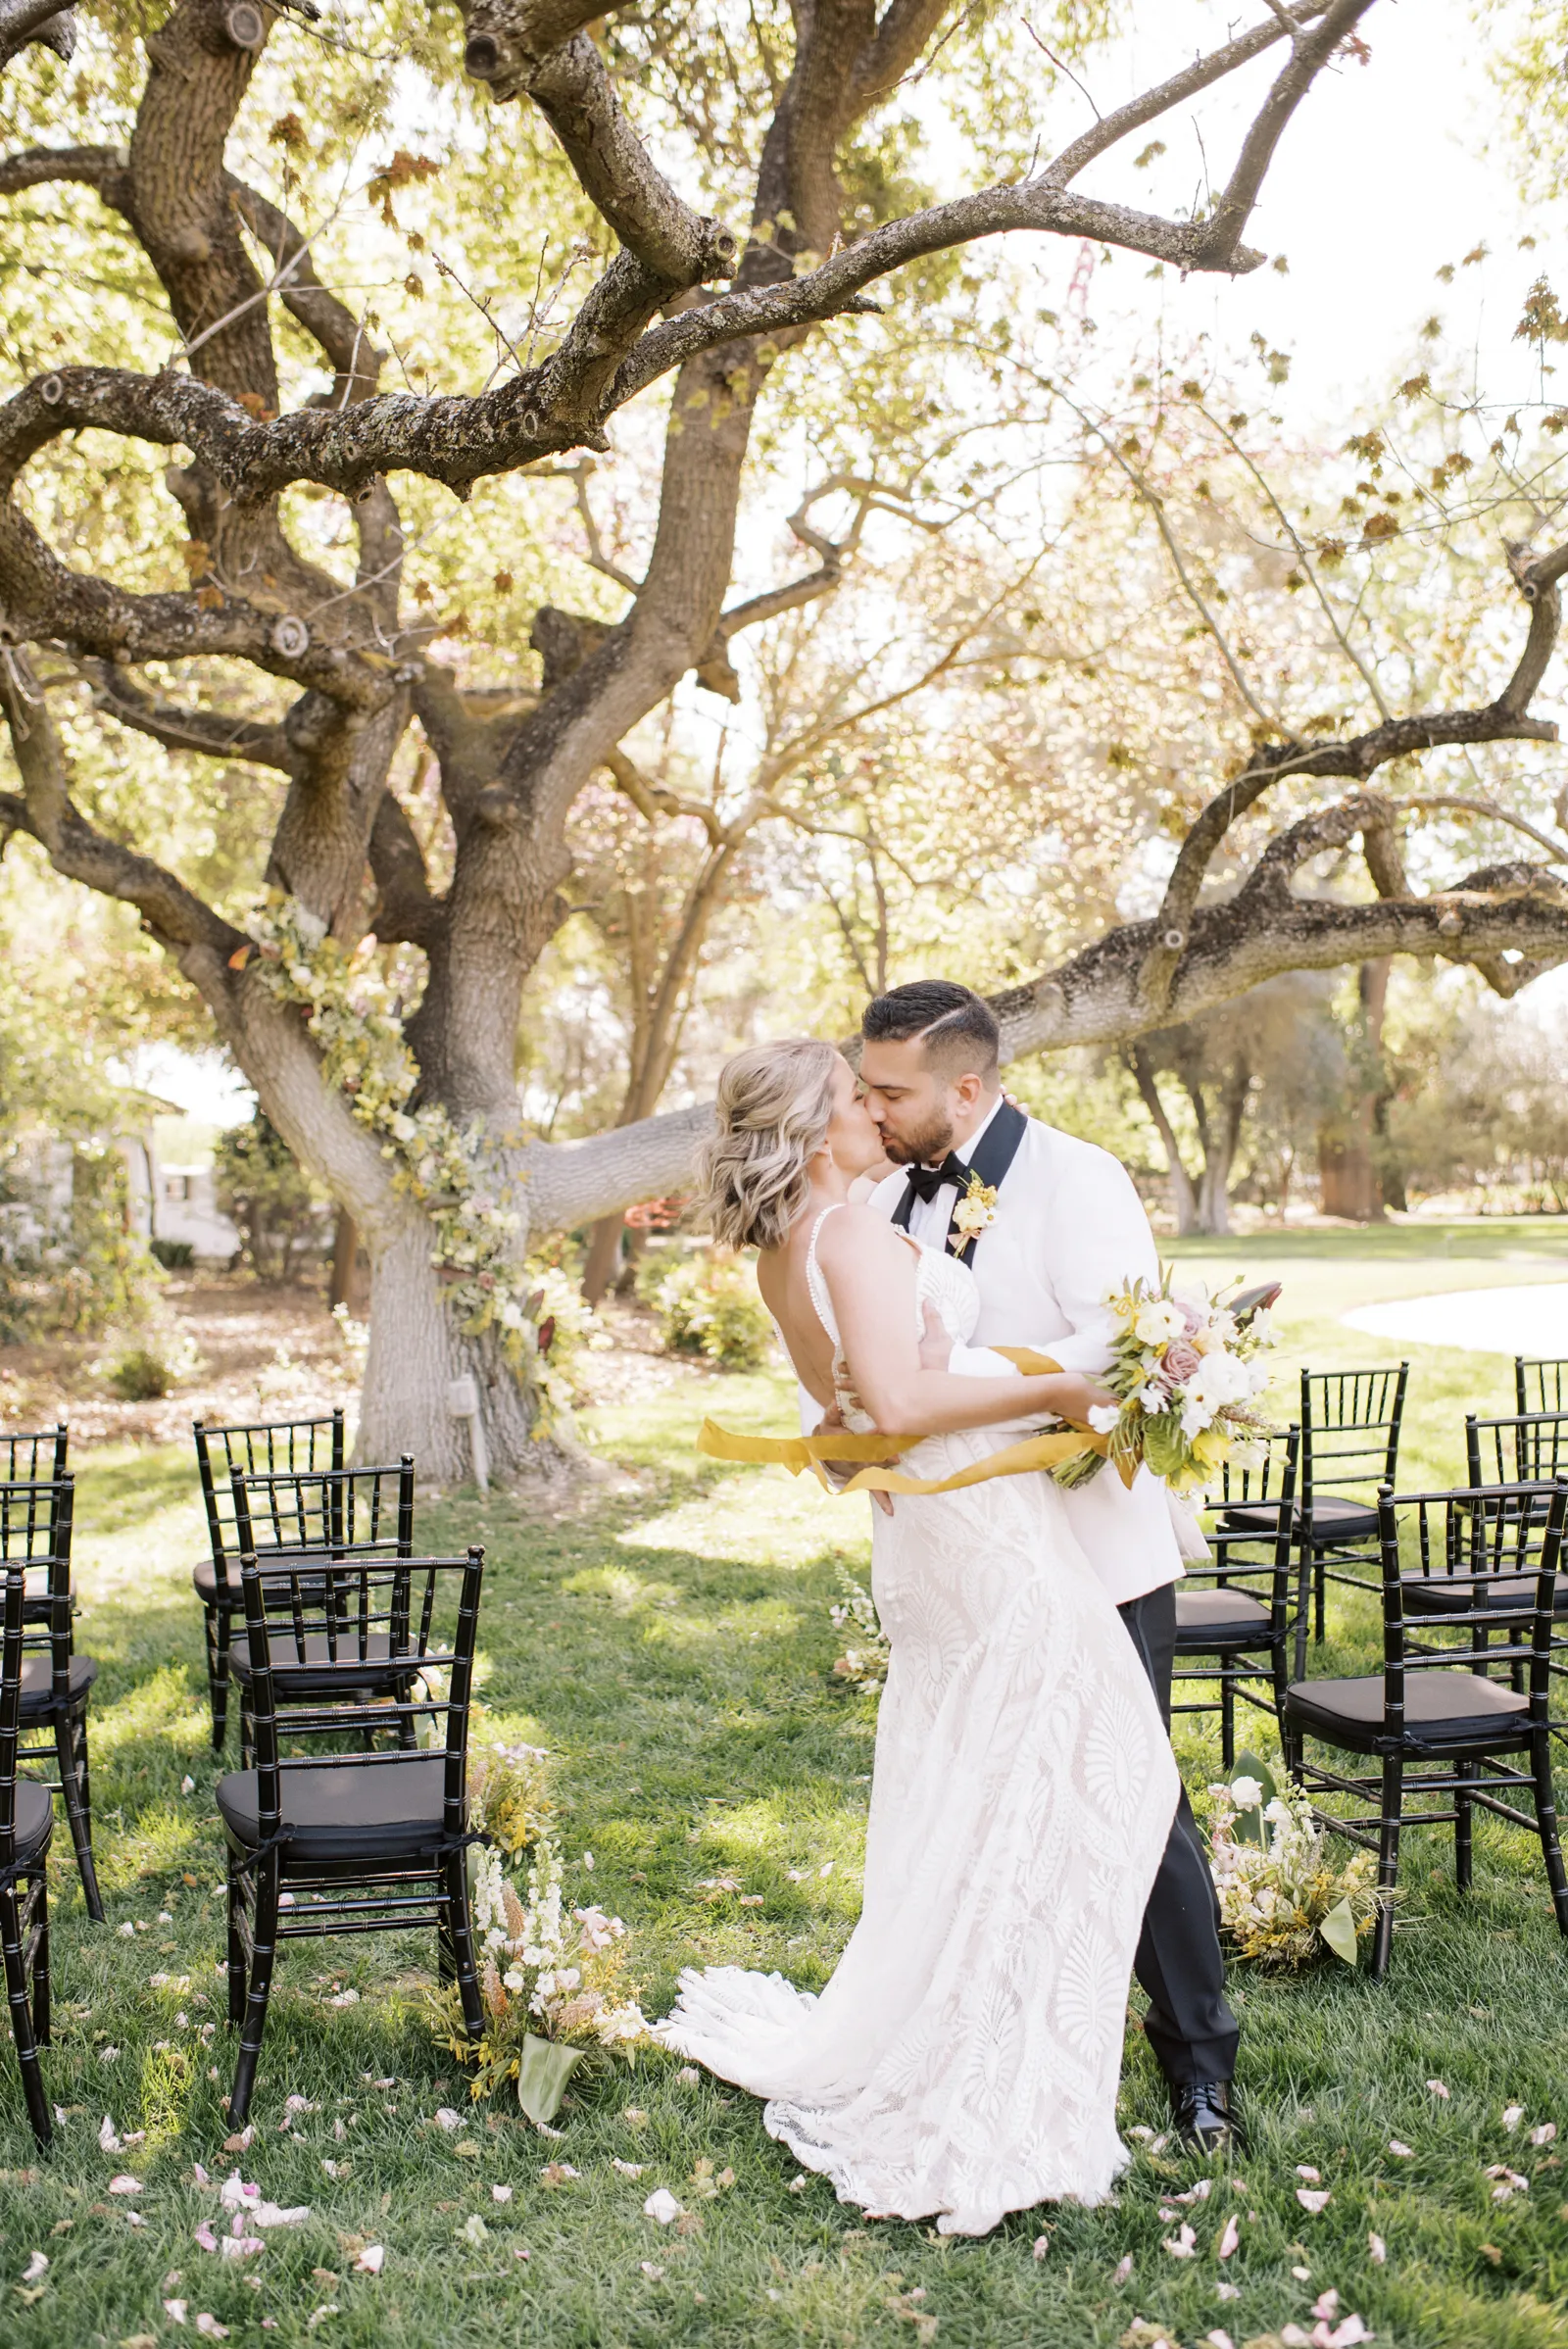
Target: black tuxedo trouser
1189, 2024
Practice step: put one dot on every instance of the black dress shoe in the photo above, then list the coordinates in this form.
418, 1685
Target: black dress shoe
1205, 2116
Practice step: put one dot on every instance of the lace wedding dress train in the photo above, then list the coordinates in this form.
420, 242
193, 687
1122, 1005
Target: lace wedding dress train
963, 2060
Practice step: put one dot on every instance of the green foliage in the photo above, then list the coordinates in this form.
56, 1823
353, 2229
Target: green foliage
279, 1211
141, 1375
707, 1304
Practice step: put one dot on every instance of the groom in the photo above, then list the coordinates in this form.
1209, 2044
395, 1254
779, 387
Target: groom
1067, 1226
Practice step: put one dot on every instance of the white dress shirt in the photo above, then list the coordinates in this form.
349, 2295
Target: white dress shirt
1069, 1227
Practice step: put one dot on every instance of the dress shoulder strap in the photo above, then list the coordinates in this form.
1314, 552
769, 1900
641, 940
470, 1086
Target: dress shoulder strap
816, 1282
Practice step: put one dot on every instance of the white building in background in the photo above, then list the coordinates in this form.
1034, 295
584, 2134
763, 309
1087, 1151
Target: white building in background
187, 1211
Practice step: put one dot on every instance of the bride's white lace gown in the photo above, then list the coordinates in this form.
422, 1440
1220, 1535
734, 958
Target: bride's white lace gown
964, 2061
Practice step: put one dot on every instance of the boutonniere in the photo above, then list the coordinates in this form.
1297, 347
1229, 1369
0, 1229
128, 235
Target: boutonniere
974, 1213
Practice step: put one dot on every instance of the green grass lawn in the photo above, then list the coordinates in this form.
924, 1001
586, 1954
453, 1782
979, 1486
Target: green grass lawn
667, 1637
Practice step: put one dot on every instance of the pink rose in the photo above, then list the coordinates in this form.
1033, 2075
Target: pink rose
1181, 1362
1189, 1314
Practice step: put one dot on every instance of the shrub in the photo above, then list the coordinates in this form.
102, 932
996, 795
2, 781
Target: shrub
175, 1255
708, 1304
141, 1375
280, 1213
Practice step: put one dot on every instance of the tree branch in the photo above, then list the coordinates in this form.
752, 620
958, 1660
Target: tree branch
209, 731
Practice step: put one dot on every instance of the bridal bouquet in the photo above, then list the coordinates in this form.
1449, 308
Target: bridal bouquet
1185, 1374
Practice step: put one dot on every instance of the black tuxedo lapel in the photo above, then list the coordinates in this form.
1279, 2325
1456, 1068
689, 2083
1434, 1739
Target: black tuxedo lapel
999, 1147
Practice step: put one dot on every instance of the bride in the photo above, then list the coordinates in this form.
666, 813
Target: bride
963, 2060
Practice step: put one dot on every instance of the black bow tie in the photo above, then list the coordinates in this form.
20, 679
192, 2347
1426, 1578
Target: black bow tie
926, 1181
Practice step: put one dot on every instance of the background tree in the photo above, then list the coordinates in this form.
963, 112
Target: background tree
297, 624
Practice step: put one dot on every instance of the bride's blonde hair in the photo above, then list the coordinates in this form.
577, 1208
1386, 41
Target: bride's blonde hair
774, 1104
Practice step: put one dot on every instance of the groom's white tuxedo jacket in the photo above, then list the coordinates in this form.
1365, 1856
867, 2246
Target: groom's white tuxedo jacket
1069, 1226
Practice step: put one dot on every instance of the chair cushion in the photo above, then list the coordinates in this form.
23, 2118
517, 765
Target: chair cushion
1457, 1708
35, 1818
1454, 1594
364, 1810
1213, 1616
320, 1671
1335, 1518
37, 1682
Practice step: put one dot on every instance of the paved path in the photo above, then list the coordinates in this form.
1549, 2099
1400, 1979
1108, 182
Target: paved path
1532, 1319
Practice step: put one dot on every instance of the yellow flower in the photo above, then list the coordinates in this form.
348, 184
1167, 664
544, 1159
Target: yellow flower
975, 1213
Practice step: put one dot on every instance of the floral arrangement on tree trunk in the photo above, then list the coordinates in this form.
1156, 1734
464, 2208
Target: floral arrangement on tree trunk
1185, 1374
1282, 1900
864, 1663
353, 1018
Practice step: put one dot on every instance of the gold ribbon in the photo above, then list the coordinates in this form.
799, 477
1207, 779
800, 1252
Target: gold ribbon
795, 1452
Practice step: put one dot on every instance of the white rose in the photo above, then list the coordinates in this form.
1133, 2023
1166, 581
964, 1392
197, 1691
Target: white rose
1156, 1321
1246, 1793
1104, 1417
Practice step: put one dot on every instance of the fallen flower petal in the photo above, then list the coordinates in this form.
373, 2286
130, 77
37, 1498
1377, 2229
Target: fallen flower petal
124, 2183
1181, 2246
688, 2075
1327, 2304
1344, 2335
628, 2168
1312, 2199
1377, 2249
175, 2311
371, 2260
1227, 2291
1437, 2089
187, 1786
799, 2182
1219, 2338
241, 2246
501, 2193
36, 2266
240, 2141
1229, 2238
555, 2174
1123, 2270
654, 2274
662, 2206
1545, 2134
268, 2214
1512, 2115
1314, 2177
446, 2118
1404, 2153
205, 2237
211, 2326
475, 2231
1200, 2192
343, 1998
1041, 2245
107, 2136
1294, 2338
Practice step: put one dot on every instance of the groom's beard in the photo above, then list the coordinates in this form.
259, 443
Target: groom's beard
927, 1147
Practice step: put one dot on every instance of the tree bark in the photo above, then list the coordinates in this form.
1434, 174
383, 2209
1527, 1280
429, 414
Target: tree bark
1183, 1191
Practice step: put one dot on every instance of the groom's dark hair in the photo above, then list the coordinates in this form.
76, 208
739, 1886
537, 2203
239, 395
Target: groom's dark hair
957, 1027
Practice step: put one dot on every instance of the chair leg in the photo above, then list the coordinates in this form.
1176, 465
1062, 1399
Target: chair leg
1303, 1601
1546, 1822
41, 2017
1388, 1860
1227, 1721
76, 1785
236, 1946
455, 1908
22, 2029
1463, 1819
263, 1952
1320, 1584
219, 1629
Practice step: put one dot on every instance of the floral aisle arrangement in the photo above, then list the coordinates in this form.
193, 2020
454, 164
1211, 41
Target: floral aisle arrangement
1284, 1901
552, 1983
865, 1661
1186, 1375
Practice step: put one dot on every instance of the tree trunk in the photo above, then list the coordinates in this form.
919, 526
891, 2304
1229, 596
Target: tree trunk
604, 1252
1183, 1193
351, 1268
416, 1351
1347, 1150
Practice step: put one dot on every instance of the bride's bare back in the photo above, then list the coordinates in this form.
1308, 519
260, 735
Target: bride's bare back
781, 1276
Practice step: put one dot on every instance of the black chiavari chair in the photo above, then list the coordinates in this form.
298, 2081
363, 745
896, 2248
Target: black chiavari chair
1540, 1386
367, 1841
330, 1515
1432, 1723
1236, 1610
26, 1825
264, 1447
35, 1532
